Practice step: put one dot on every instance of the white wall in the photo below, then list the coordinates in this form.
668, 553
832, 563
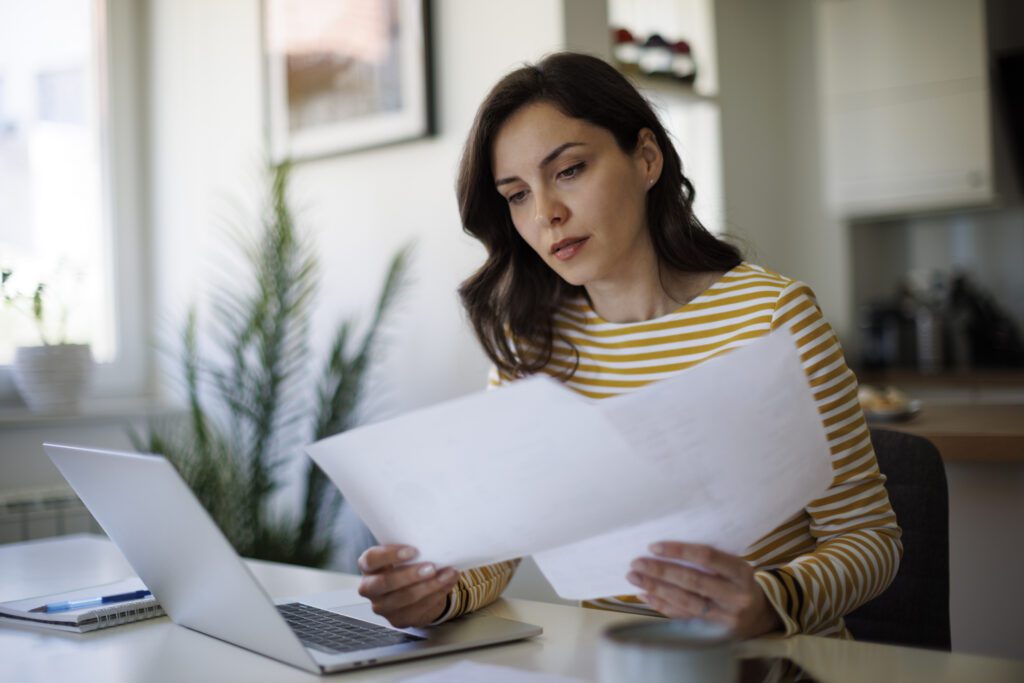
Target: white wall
750, 68
206, 128
771, 149
206, 131
23, 462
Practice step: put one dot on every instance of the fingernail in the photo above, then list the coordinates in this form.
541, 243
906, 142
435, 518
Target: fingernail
406, 553
447, 575
633, 577
657, 548
638, 565
426, 570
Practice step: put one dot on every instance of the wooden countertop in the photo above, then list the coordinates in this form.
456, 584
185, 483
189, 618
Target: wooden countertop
973, 416
970, 432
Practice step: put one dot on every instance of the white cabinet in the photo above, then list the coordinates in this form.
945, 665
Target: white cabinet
905, 105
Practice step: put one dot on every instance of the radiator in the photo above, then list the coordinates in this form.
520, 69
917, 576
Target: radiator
40, 513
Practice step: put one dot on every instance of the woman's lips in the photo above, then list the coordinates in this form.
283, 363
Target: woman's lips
566, 249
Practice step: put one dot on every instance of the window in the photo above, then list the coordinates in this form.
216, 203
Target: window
68, 181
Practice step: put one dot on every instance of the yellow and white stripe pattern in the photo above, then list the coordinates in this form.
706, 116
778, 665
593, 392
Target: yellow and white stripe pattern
844, 548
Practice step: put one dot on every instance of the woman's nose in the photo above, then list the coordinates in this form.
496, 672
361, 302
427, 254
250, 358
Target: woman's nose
550, 210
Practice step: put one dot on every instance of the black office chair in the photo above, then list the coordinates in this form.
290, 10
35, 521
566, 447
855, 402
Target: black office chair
914, 610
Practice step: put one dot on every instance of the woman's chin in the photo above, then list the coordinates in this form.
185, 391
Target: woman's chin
575, 279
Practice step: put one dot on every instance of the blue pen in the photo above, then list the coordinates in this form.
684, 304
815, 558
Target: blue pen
90, 602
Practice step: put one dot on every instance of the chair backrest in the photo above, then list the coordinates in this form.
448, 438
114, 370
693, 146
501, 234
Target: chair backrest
914, 610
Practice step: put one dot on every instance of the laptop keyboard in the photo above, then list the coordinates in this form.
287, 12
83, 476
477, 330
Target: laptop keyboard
334, 633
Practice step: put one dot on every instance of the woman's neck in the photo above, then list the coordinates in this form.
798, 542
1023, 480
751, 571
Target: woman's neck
659, 292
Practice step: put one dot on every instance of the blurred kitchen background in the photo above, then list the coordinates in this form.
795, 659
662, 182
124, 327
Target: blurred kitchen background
872, 148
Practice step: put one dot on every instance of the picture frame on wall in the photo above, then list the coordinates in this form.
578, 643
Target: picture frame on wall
346, 75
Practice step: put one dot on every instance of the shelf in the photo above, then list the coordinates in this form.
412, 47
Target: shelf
665, 85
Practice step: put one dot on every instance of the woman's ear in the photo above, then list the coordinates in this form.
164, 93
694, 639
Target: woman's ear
648, 154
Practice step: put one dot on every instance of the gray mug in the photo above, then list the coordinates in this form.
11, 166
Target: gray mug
676, 650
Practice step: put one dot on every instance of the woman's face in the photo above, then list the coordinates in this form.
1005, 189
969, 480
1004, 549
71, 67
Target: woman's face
576, 198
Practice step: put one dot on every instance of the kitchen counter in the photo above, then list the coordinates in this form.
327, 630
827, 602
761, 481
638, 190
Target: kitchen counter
969, 431
970, 417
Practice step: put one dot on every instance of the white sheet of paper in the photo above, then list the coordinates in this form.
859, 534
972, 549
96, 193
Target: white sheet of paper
721, 453
480, 478
741, 439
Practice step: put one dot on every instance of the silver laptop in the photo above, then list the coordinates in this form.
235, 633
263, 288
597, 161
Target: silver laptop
183, 558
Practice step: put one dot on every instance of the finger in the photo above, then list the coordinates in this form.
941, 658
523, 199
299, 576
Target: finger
712, 559
395, 578
420, 613
669, 609
709, 585
400, 600
666, 607
683, 602
383, 556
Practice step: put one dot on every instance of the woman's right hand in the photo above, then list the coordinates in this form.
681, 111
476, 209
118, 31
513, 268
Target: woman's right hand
407, 595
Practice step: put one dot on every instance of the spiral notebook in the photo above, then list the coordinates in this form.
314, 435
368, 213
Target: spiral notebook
86, 619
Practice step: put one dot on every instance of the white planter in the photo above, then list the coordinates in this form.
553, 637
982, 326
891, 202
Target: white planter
53, 378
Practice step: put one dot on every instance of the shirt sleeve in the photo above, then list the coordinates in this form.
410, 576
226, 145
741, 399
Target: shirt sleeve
478, 587
857, 540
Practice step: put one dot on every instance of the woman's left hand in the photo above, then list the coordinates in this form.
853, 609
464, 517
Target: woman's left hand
726, 592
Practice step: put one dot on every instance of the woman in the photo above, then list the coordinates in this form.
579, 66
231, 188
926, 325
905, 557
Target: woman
599, 273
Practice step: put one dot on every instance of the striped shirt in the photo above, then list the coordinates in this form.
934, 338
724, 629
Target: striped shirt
839, 552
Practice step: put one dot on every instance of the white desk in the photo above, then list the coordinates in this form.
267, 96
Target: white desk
157, 650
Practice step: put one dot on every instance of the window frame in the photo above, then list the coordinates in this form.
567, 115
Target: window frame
118, 43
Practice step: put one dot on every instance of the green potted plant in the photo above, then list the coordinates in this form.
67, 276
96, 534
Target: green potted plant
51, 377
258, 396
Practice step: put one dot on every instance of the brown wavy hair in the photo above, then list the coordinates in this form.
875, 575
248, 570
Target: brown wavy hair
512, 299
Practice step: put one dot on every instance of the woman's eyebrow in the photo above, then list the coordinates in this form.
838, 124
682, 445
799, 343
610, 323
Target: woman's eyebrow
551, 156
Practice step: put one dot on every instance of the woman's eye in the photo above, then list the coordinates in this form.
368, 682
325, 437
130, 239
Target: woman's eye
517, 197
572, 171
